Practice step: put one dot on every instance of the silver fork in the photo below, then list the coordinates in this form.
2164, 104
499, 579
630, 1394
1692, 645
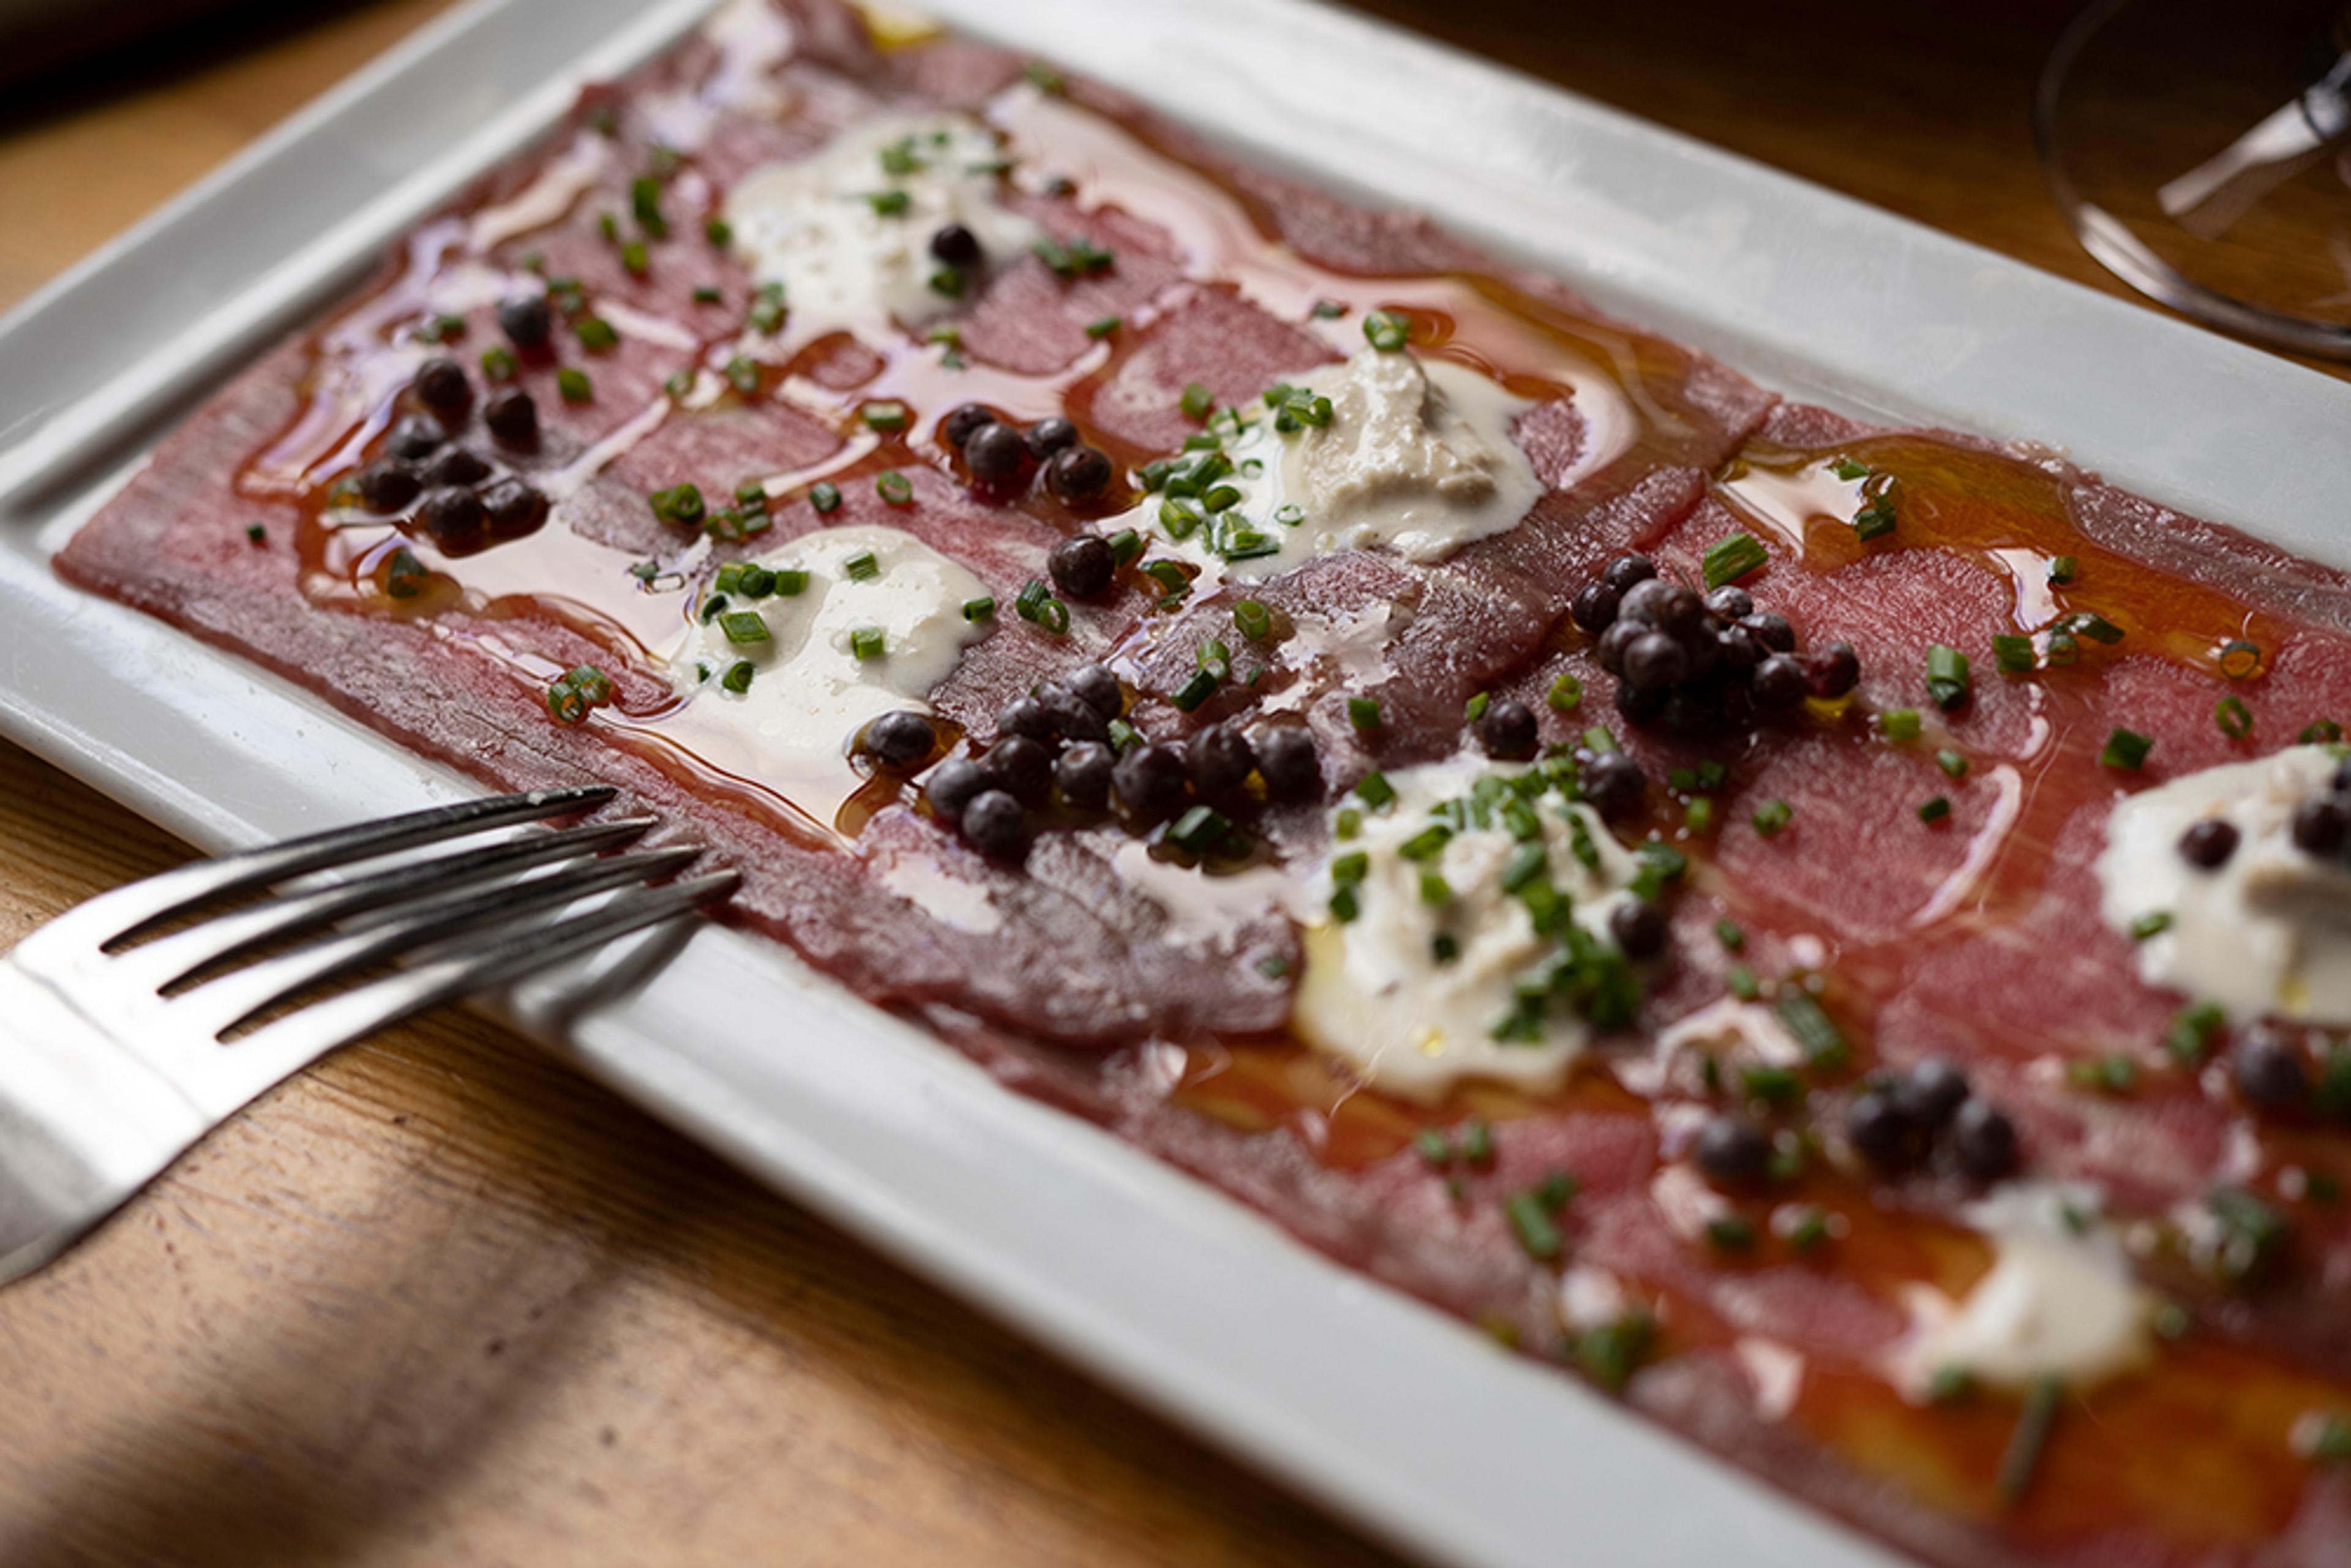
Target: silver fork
113, 1055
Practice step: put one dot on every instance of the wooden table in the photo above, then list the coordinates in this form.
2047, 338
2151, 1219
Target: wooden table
441, 1302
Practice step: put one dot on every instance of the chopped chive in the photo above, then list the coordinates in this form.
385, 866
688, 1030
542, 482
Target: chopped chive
574, 385
1898, 724
894, 488
596, 335
1951, 762
1253, 619
1771, 816
979, 609
885, 416
1374, 791
2235, 719
1599, 740
2151, 924
1946, 677
2013, 654
1726, 560
2096, 627
1387, 330
1195, 401
498, 363
1698, 815
2325, 732
1475, 708
1345, 905
1771, 1085
718, 232
738, 677
1200, 829
1565, 695
1538, 1236
861, 567
2126, 749
1823, 1044
1729, 1234
867, 643
1364, 712
2240, 658
2062, 568
1742, 983
1101, 327
404, 576
743, 375
256, 534
1197, 689
1731, 938
1876, 518
633, 258
1848, 469
1215, 658
2022, 1457
1434, 891
1935, 810
1126, 546
1527, 863
743, 626
890, 203
2193, 1031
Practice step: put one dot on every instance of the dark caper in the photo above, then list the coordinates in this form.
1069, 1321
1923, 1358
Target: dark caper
416, 435
1931, 1092
1508, 730
1079, 473
512, 417
1879, 1132
1083, 773
1620, 636
1219, 759
995, 825
1639, 927
1639, 705
1152, 780
440, 384
1984, 1140
1098, 688
1613, 785
2320, 826
525, 321
1050, 435
2207, 845
955, 245
1073, 717
1737, 650
456, 465
1286, 762
388, 486
1026, 716
514, 508
2269, 1072
1595, 609
1772, 630
1626, 570
1023, 766
1654, 661
452, 517
900, 740
963, 422
1730, 602
995, 453
955, 784
1082, 565
1732, 1151
1832, 671
1779, 683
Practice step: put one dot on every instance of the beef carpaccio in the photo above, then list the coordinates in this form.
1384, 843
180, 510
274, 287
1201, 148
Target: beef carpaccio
1828, 933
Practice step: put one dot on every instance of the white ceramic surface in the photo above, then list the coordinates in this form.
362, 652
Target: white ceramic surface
1399, 1418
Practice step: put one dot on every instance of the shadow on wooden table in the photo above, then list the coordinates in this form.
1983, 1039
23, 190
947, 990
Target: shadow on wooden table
443, 1302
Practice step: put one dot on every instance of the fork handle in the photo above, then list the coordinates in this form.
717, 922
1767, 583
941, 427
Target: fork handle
80, 1129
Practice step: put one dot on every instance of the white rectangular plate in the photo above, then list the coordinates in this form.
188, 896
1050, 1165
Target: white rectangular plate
1399, 1418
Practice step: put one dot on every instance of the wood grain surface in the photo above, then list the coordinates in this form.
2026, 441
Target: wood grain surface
441, 1302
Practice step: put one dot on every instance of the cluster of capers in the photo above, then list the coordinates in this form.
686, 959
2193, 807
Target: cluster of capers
425, 467
1002, 456
1056, 745
1695, 664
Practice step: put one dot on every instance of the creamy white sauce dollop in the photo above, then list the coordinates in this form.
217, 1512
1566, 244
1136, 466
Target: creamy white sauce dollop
2268, 933
847, 232
809, 692
1417, 459
2059, 1300
1373, 993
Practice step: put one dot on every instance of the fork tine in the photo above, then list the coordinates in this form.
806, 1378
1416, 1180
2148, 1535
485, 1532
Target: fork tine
146, 905
171, 960
269, 1054
235, 999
